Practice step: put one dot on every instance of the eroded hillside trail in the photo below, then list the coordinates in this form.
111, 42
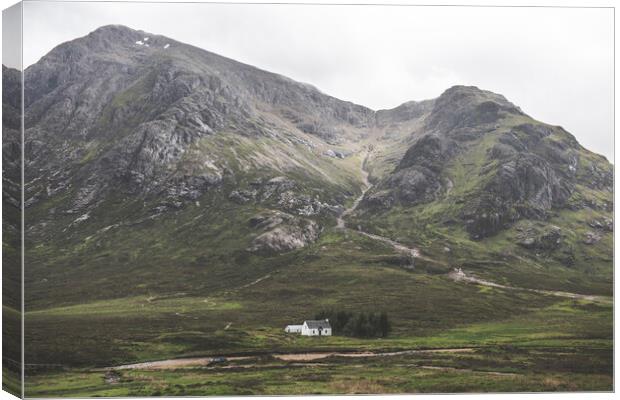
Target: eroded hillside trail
340, 222
457, 274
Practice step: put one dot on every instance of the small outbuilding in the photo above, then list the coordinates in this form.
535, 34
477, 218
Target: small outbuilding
293, 328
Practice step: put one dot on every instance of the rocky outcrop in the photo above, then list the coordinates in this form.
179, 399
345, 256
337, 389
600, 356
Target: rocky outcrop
282, 232
591, 237
336, 153
605, 224
531, 177
551, 241
282, 192
242, 196
549, 238
430, 152
600, 227
526, 186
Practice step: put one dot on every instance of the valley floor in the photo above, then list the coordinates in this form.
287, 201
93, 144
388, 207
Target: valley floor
566, 346
488, 369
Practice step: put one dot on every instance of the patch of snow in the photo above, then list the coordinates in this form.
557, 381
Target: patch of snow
167, 45
146, 39
146, 45
140, 42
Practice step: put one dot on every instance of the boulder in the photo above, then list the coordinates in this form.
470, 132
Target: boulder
591, 237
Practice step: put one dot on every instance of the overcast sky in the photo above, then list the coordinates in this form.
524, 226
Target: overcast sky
555, 63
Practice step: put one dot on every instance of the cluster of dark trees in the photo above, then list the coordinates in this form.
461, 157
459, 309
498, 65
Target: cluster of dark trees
362, 324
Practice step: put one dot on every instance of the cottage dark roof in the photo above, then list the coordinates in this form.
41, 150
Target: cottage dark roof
323, 323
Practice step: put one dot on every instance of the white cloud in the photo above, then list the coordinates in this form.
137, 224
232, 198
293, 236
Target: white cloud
555, 63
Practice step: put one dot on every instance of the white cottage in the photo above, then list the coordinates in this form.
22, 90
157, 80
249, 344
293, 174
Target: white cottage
311, 328
316, 328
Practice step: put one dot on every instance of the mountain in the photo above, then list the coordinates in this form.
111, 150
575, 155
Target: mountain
154, 168
127, 131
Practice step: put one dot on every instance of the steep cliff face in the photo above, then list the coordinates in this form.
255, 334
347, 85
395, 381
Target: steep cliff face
534, 172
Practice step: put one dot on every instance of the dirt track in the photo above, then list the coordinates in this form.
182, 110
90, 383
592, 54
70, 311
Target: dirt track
205, 361
459, 275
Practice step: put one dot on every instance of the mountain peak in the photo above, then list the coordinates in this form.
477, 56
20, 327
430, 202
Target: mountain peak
463, 106
113, 29
111, 36
471, 94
